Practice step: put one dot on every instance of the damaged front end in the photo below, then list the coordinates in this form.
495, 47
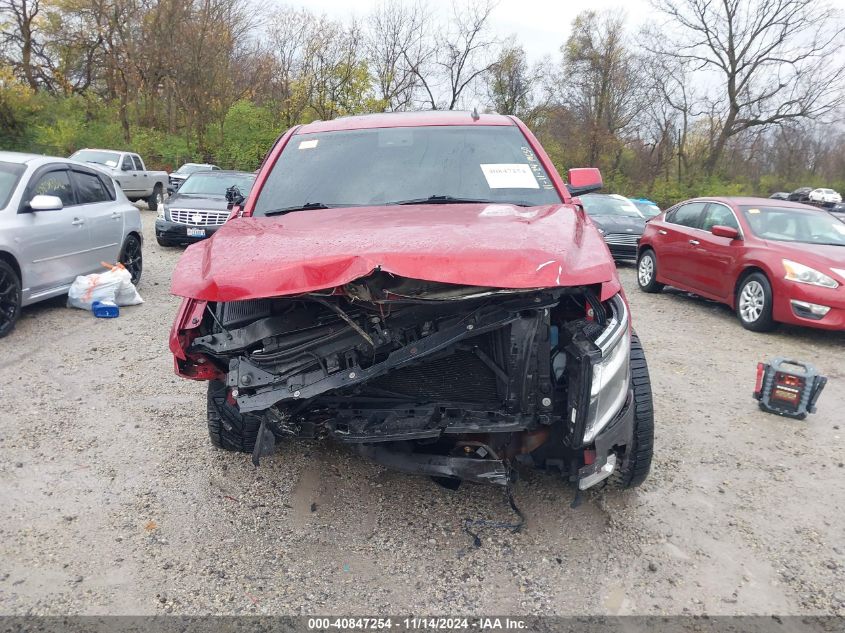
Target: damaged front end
445, 380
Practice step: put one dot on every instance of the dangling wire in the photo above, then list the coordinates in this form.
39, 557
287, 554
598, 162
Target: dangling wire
483, 524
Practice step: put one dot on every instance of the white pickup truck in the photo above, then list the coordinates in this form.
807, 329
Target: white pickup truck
130, 173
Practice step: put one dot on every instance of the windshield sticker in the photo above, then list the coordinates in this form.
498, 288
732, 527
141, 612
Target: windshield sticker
509, 176
754, 211
111, 163
308, 144
536, 168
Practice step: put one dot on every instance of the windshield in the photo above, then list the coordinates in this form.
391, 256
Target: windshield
10, 173
216, 184
109, 159
393, 165
598, 204
190, 168
784, 224
647, 209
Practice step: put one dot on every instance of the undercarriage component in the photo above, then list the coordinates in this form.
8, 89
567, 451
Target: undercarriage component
490, 471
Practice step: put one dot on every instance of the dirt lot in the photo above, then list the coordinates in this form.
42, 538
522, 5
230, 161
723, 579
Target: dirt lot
114, 501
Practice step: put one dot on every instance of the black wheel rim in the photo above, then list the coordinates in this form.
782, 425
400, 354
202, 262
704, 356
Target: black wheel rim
9, 300
131, 259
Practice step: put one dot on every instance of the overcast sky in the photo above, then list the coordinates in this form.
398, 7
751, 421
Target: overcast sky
541, 26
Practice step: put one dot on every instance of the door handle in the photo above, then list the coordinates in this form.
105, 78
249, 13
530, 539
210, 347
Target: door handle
78, 222
662, 232
694, 242
115, 215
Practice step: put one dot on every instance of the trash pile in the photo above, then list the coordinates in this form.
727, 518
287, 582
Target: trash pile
102, 293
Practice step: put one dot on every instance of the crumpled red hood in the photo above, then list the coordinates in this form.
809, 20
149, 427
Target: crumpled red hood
494, 245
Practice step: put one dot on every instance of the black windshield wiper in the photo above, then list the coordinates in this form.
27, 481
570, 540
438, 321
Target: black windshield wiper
298, 207
453, 200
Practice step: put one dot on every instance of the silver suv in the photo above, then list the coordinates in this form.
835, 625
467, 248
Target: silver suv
58, 219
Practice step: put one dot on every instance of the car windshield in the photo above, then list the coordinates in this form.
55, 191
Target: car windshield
10, 173
784, 224
109, 159
406, 164
215, 184
598, 204
190, 168
647, 209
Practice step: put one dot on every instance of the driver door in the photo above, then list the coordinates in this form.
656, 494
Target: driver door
128, 178
712, 259
54, 244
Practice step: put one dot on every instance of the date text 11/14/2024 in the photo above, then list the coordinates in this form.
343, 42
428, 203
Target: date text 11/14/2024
417, 624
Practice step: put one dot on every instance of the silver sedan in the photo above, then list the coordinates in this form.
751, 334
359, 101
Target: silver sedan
59, 219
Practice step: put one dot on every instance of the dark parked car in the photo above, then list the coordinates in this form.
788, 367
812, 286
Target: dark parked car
421, 288
802, 194
647, 208
780, 195
772, 261
619, 222
180, 175
199, 207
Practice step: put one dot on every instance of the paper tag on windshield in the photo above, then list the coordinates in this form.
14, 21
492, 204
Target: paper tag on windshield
509, 176
308, 144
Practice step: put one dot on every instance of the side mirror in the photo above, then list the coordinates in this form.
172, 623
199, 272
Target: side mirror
584, 180
45, 203
725, 231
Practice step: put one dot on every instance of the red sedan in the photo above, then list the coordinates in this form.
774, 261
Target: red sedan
772, 261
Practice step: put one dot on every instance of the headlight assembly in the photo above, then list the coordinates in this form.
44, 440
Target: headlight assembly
806, 275
161, 211
599, 375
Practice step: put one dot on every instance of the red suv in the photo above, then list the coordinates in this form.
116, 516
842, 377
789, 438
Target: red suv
772, 261
423, 288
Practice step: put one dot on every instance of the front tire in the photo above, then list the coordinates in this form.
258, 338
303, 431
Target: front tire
647, 272
156, 198
636, 462
10, 298
754, 303
228, 428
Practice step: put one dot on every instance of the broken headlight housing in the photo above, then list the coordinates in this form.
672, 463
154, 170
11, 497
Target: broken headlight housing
599, 376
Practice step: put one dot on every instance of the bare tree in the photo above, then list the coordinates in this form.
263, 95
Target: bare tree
775, 61
513, 85
461, 55
397, 43
602, 82
21, 35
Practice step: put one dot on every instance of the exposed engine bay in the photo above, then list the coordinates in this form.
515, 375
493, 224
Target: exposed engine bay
432, 378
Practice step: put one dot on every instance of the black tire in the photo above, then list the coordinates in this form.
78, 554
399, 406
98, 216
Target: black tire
10, 298
636, 462
156, 198
162, 242
754, 303
647, 272
132, 258
227, 427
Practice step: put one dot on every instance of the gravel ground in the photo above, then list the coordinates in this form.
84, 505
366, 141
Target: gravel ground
115, 503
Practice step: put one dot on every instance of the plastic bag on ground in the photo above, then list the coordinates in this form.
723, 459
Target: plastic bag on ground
114, 285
